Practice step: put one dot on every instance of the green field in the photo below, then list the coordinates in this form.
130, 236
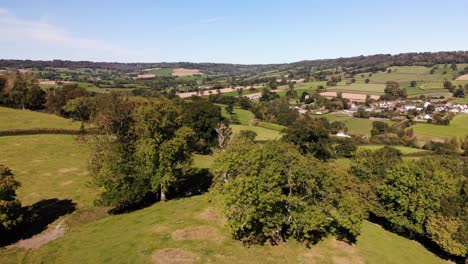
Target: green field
135, 237
161, 72
25, 119
355, 125
371, 88
262, 133
244, 116
458, 127
48, 166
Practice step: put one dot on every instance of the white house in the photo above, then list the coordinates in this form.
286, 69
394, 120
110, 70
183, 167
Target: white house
342, 134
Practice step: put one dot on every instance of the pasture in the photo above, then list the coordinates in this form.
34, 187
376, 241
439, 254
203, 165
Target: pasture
193, 228
355, 125
26, 119
458, 128
262, 133
371, 88
48, 166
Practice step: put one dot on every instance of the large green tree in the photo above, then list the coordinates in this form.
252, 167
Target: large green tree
202, 117
412, 191
311, 136
143, 150
271, 192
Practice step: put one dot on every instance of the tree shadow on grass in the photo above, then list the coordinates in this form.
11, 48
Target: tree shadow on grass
424, 241
37, 217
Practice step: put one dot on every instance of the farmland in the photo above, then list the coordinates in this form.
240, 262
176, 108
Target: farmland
458, 128
355, 125
148, 138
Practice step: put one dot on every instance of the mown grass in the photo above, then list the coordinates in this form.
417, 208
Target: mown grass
134, 237
48, 166
458, 127
25, 119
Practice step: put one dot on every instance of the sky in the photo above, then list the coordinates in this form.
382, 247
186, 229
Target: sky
240, 31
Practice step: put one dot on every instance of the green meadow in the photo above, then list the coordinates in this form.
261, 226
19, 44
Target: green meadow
26, 119
458, 128
193, 226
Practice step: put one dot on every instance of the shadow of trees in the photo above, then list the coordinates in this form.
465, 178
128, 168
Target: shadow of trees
37, 217
196, 182
424, 241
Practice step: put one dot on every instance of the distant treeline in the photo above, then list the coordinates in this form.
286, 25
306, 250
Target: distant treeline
379, 60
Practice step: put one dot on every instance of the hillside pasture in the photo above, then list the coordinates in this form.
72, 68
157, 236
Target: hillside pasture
194, 229
355, 125
263, 134
458, 128
26, 119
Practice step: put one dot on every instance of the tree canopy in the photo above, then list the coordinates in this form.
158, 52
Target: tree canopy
272, 192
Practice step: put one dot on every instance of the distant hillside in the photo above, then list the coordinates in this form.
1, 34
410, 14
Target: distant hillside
379, 60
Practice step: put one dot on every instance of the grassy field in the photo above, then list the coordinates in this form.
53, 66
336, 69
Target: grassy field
355, 125
371, 88
262, 133
48, 166
25, 119
193, 226
161, 72
244, 116
458, 127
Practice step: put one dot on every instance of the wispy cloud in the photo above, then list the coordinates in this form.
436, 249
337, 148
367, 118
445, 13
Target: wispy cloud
14, 30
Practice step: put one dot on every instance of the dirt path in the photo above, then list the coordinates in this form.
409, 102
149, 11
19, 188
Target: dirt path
42, 238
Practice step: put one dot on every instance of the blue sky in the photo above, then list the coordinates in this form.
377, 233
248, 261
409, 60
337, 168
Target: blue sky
239, 31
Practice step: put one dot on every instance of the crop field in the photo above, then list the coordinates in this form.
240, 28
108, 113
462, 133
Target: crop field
25, 119
458, 127
199, 235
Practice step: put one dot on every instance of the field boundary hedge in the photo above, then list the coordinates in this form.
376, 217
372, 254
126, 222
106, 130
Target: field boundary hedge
38, 131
